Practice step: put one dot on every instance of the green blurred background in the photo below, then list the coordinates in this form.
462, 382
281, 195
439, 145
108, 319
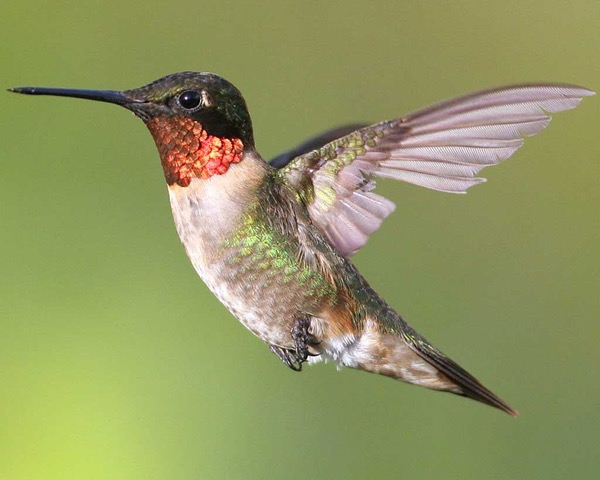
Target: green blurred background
117, 363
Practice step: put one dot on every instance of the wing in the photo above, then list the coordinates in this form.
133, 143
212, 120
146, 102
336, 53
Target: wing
314, 143
441, 147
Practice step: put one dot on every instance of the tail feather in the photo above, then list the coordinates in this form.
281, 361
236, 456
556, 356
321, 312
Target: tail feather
468, 385
398, 351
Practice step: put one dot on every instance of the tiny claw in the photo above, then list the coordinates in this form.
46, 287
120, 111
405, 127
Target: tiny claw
287, 356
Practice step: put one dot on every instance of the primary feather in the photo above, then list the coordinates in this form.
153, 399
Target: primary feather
442, 147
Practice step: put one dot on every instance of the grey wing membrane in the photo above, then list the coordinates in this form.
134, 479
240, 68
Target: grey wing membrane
442, 147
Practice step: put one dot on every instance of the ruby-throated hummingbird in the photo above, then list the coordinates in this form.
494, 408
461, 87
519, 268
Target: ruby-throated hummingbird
273, 240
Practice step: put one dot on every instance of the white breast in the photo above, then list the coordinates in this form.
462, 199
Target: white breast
207, 213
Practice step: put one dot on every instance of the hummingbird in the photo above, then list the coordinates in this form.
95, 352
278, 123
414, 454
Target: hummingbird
273, 240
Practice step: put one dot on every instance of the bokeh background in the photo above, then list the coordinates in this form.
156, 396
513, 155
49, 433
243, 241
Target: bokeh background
117, 363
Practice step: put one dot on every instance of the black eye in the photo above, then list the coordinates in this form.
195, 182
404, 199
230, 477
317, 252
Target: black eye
189, 100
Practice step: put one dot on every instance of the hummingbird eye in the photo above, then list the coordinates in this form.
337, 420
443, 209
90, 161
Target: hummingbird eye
189, 99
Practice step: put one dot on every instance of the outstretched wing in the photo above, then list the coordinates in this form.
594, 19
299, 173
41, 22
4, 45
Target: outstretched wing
441, 147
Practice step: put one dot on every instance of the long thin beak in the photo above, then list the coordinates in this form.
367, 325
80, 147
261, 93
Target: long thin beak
109, 96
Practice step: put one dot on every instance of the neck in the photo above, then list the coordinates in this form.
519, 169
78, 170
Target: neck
188, 151
208, 211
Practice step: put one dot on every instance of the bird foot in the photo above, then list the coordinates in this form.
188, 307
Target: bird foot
303, 339
287, 356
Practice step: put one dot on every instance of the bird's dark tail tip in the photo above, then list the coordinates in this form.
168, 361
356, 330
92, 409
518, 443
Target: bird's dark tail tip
466, 384
478, 392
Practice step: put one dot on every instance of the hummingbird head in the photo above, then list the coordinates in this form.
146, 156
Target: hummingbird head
205, 98
199, 121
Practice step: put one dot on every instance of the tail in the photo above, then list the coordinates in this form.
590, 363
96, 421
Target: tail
407, 356
465, 384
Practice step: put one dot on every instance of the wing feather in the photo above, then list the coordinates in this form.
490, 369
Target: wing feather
441, 147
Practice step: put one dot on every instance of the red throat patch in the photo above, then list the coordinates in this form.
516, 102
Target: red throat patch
187, 151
